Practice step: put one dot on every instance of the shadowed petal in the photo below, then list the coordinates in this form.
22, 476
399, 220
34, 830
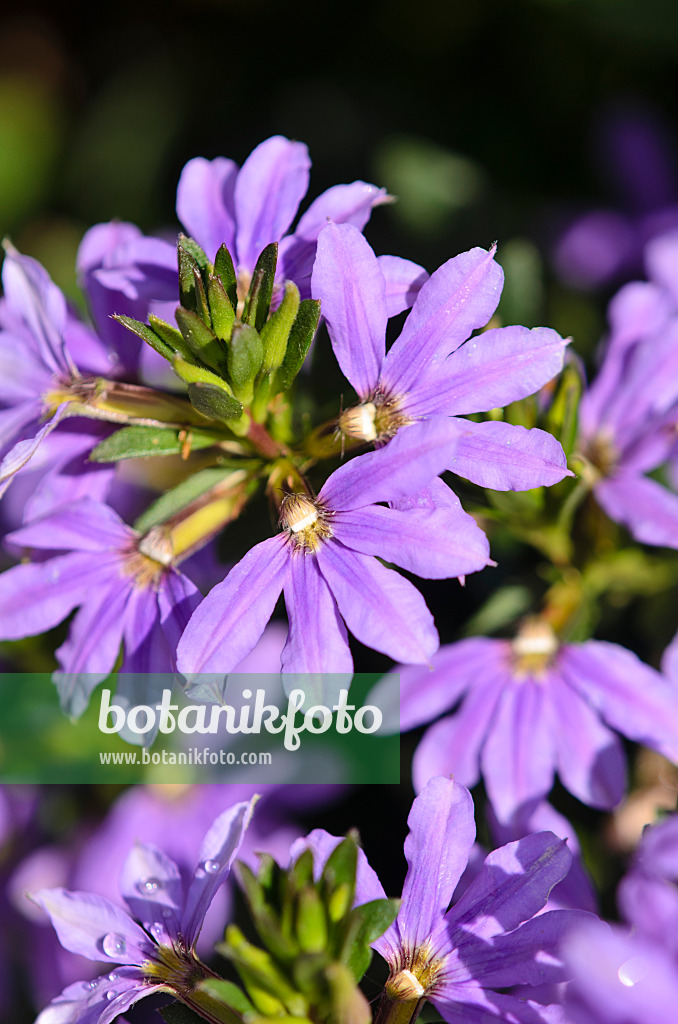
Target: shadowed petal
379, 607
24, 450
150, 883
94, 927
504, 457
437, 543
218, 851
453, 745
648, 510
350, 286
271, 184
32, 295
227, 624
471, 1004
458, 298
317, 640
630, 696
512, 886
341, 204
99, 1001
518, 759
406, 465
591, 760
404, 280
205, 203
501, 366
437, 848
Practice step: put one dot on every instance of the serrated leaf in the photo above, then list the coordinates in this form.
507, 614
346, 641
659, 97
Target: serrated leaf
261, 288
214, 401
299, 342
170, 335
223, 267
140, 442
146, 334
200, 339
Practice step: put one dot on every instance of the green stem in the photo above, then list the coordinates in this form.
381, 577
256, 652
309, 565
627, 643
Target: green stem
398, 1011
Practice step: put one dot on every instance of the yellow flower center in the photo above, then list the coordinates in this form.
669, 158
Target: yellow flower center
534, 648
305, 521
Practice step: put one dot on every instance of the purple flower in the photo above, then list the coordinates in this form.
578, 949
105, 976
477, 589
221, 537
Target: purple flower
155, 955
324, 561
493, 937
124, 596
436, 370
44, 351
530, 707
628, 416
244, 208
624, 977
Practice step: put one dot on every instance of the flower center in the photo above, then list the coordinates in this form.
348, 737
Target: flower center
416, 974
147, 572
378, 419
305, 521
534, 648
176, 967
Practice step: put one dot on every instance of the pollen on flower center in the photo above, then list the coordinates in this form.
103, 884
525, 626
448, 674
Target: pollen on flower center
377, 419
416, 974
175, 966
305, 521
533, 649
147, 572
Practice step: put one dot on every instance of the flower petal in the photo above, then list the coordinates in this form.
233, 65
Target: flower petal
512, 886
349, 283
379, 607
150, 883
404, 280
504, 457
518, 759
32, 295
98, 1001
205, 203
591, 760
437, 848
471, 1004
83, 525
317, 640
24, 450
631, 697
648, 510
501, 366
218, 851
37, 596
406, 465
426, 543
227, 624
271, 184
94, 927
458, 298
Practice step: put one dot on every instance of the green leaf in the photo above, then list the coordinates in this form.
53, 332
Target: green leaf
311, 921
245, 354
276, 331
221, 310
187, 271
139, 442
196, 251
191, 373
229, 994
201, 299
200, 340
340, 868
179, 497
144, 332
562, 417
261, 288
223, 267
299, 342
170, 335
214, 401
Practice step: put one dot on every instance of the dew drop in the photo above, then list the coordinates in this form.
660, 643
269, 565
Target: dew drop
148, 886
113, 976
93, 984
110, 995
634, 970
157, 929
211, 866
167, 913
114, 944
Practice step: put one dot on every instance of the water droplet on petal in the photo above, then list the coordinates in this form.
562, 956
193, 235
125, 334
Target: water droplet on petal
113, 976
110, 995
114, 944
148, 886
157, 930
211, 866
93, 984
167, 913
634, 970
